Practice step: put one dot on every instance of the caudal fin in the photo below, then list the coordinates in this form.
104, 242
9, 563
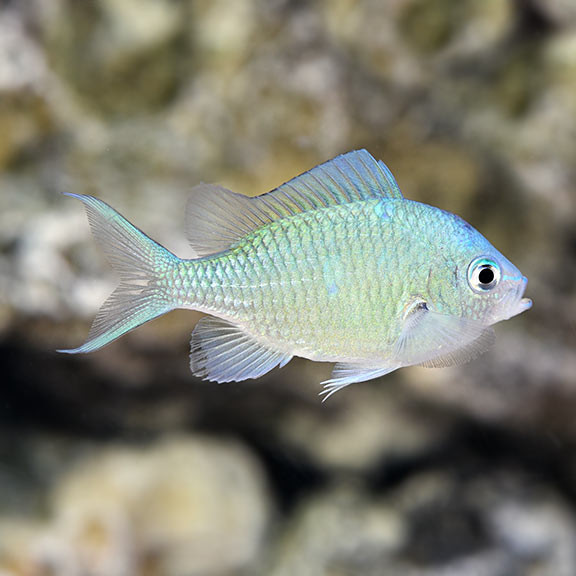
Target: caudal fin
140, 261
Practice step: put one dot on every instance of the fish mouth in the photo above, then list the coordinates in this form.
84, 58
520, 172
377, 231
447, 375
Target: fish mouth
523, 305
515, 299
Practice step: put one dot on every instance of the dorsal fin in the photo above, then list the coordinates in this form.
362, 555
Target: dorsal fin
347, 178
218, 218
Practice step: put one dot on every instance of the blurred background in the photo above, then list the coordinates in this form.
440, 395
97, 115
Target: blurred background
121, 463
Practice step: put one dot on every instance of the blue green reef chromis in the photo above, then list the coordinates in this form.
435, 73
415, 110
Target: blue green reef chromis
334, 265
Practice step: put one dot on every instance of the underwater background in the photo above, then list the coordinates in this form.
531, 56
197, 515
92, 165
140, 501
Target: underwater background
121, 463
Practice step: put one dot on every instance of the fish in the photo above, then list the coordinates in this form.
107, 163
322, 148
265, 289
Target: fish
334, 265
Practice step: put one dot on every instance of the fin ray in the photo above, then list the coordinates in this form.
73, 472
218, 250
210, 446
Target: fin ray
345, 374
466, 353
218, 218
222, 352
432, 339
136, 257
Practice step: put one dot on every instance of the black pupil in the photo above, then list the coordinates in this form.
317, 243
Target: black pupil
486, 276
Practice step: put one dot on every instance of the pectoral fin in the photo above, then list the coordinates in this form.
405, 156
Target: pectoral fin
345, 374
435, 340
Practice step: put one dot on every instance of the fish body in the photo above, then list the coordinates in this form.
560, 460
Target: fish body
334, 265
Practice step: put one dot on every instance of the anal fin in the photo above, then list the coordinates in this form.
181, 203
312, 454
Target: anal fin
222, 352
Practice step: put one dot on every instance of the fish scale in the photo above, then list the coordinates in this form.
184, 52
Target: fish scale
333, 265
255, 264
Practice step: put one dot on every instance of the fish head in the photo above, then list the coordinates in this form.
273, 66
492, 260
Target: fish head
494, 288
490, 288
473, 279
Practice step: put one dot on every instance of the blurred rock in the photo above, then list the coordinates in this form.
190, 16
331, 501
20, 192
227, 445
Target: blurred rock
339, 531
184, 506
434, 525
25, 117
430, 27
362, 428
129, 47
561, 12
502, 523
560, 57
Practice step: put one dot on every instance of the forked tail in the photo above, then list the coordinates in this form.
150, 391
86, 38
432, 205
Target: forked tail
141, 263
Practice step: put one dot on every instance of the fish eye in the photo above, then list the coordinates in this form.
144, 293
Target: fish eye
483, 275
